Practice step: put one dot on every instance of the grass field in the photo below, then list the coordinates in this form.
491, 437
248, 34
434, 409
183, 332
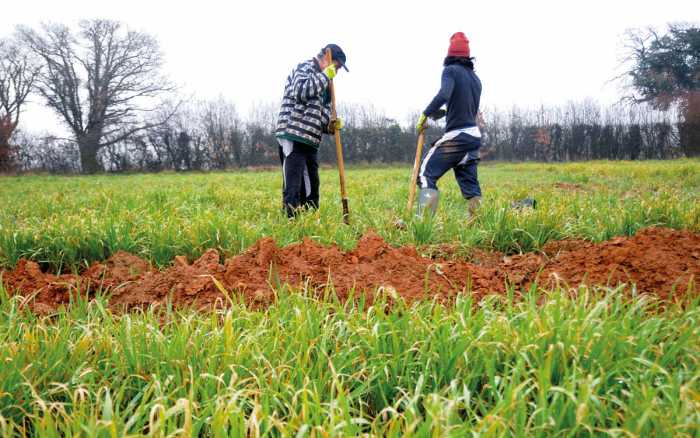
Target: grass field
597, 364
64, 221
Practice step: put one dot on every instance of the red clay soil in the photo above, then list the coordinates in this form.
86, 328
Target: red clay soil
659, 261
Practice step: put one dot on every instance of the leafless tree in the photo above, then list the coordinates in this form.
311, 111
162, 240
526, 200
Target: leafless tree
45, 153
18, 72
221, 125
259, 134
100, 80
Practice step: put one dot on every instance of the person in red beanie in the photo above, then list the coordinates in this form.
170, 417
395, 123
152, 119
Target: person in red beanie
458, 148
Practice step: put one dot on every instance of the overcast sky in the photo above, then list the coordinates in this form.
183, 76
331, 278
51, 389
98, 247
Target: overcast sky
527, 52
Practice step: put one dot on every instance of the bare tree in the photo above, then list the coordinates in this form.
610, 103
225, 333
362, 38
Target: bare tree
100, 80
18, 72
260, 127
221, 125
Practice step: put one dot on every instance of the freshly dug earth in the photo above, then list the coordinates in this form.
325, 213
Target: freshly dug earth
659, 261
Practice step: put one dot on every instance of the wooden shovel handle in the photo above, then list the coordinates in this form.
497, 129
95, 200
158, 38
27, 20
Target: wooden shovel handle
416, 166
338, 148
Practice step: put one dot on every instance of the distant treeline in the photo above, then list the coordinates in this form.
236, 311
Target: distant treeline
210, 135
587, 131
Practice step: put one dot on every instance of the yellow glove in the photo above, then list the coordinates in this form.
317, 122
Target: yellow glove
335, 124
330, 71
421, 123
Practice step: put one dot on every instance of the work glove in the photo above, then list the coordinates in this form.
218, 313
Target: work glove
330, 71
421, 123
335, 124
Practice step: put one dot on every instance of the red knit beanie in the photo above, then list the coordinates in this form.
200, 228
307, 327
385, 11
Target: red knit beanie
459, 46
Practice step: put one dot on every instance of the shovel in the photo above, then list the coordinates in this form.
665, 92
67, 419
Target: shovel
338, 150
414, 175
416, 163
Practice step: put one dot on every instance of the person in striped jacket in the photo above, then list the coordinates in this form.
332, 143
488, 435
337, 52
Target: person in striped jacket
304, 117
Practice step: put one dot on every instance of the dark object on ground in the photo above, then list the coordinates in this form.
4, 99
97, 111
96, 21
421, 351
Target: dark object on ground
524, 203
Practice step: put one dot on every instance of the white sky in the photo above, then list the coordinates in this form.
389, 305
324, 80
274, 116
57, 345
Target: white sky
528, 52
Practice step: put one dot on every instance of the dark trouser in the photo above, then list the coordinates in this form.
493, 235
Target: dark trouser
301, 181
463, 158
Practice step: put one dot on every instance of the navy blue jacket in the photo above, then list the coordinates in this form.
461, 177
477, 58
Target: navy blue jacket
460, 89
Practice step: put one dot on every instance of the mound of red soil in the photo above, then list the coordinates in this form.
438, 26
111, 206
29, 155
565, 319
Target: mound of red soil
659, 261
44, 292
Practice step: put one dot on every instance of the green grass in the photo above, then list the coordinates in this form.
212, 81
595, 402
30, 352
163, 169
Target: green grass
66, 221
600, 364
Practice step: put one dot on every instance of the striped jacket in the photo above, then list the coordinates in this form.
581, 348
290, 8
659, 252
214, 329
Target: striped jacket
305, 112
